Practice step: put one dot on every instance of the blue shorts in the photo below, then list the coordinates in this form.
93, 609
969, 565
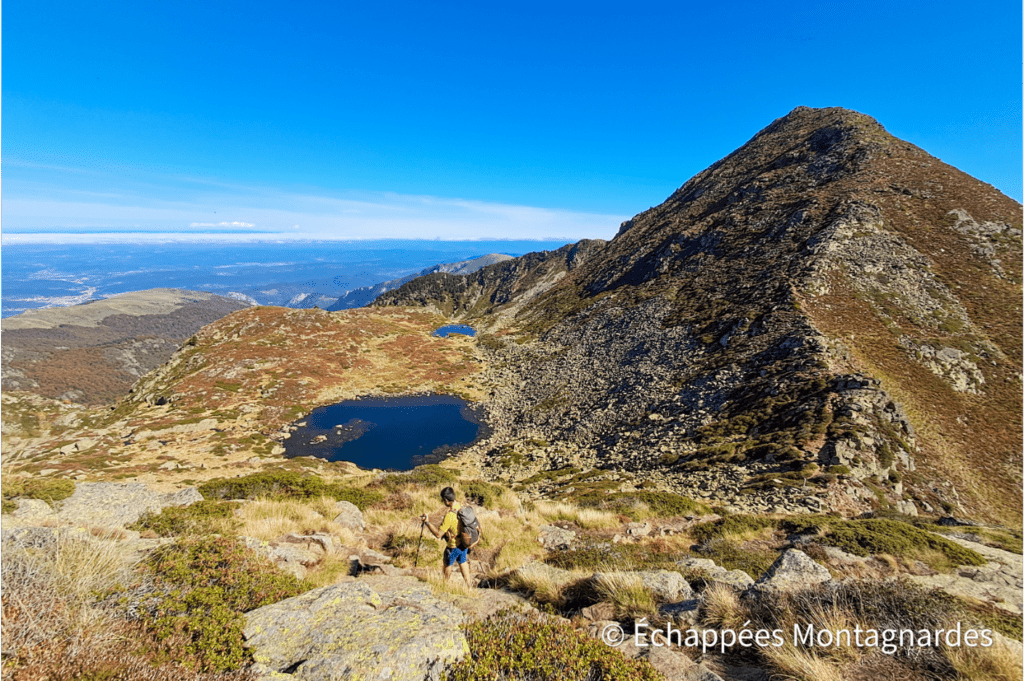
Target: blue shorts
455, 555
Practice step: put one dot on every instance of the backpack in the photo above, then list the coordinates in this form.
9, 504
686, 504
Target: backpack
468, 533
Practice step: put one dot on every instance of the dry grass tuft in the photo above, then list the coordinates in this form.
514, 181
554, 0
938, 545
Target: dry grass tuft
721, 607
1001, 662
586, 518
268, 520
542, 583
798, 664
49, 589
627, 593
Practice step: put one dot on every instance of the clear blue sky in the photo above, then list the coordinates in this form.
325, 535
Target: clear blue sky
458, 119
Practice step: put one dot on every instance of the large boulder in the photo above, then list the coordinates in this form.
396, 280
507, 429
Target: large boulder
349, 515
792, 571
351, 631
665, 585
116, 504
553, 537
738, 580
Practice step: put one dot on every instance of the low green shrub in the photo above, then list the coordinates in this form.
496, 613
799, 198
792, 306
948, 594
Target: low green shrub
861, 537
360, 496
49, 490
202, 517
210, 582
550, 475
281, 484
514, 647
883, 535
996, 537
284, 484
632, 504
754, 560
730, 526
481, 493
430, 475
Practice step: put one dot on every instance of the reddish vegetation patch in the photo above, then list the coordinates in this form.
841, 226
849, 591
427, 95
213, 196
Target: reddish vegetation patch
282, 360
81, 369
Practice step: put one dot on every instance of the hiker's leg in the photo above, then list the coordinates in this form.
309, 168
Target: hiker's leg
464, 569
446, 564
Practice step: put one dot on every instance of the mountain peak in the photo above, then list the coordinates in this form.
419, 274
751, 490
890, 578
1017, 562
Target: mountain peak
826, 294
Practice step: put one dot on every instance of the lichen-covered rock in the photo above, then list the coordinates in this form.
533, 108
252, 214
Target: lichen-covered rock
350, 631
792, 571
116, 504
553, 537
32, 509
737, 579
349, 516
289, 557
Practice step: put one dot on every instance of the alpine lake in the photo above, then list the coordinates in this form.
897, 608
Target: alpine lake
391, 433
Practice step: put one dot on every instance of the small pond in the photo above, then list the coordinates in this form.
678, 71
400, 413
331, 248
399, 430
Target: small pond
449, 329
395, 433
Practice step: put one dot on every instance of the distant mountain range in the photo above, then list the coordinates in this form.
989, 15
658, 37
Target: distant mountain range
298, 295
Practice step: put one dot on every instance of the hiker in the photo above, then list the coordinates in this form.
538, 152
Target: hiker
460, 529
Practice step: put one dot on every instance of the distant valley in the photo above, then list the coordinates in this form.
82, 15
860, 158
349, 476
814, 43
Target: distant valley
92, 353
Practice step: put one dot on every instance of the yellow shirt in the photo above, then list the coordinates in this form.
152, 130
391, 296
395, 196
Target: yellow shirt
450, 524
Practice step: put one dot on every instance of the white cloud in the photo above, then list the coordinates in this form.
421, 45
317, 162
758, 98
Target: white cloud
222, 224
368, 216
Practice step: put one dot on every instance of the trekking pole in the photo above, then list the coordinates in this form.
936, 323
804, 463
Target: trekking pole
416, 563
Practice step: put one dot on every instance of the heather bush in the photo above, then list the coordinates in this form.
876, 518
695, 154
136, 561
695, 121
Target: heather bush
49, 490
203, 517
212, 581
516, 647
284, 484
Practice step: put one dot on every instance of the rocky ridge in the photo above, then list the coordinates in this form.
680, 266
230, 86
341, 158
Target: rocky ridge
92, 353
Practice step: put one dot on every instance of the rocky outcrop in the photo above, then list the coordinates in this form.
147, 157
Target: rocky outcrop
716, 574
367, 294
502, 287
349, 631
295, 553
117, 504
555, 538
998, 582
792, 571
670, 662
349, 515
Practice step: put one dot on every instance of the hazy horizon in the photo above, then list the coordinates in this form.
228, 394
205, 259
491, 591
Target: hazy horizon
354, 121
